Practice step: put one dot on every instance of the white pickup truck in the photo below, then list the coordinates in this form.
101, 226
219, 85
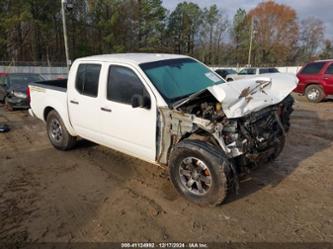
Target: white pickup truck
170, 110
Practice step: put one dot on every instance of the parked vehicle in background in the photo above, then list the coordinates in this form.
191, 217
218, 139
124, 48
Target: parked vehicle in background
316, 80
251, 72
224, 72
13, 89
170, 110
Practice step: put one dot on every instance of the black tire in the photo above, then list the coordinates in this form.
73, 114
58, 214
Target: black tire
314, 93
229, 80
278, 148
217, 164
9, 107
57, 132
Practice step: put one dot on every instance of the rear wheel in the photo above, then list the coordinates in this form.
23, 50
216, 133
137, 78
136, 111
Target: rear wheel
229, 80
199, 172
314, 93
57, 132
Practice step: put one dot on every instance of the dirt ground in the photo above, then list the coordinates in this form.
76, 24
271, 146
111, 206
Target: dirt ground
95, 194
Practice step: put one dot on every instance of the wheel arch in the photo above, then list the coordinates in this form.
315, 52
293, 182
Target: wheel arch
46, 112
64, 118
201, 135
314, 83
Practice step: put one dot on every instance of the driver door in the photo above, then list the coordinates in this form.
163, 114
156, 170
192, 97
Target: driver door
127, 129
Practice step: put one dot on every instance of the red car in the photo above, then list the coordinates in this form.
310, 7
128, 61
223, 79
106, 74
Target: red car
316, 80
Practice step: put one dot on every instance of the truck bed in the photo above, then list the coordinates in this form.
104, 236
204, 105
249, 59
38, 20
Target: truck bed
46, 95
58, 85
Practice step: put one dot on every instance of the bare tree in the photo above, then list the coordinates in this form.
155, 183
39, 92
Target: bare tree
311, 37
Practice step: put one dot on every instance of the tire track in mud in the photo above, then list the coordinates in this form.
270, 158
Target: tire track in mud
18, 201
128, 181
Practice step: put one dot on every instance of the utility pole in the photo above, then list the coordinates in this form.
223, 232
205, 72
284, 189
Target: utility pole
251, 41
63, 13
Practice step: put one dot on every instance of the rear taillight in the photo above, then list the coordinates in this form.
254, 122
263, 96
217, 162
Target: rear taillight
28, 94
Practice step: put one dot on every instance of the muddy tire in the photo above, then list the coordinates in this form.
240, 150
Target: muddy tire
57, 132
200, 172
8, 106
314, 93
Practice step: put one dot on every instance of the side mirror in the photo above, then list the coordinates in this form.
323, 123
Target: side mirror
139, 101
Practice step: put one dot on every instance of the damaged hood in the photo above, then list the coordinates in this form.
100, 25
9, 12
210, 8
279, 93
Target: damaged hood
242, 97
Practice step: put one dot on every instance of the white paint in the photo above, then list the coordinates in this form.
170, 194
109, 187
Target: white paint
234, 106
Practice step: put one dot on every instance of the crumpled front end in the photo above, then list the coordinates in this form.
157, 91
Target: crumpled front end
249, 128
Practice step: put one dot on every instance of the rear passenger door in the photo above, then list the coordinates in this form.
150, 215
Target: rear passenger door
83, 102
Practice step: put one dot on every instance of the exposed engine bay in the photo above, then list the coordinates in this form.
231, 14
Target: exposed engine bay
250, 140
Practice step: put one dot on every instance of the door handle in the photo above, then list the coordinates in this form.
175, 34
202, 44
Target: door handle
106, 109
325, 78
74, 102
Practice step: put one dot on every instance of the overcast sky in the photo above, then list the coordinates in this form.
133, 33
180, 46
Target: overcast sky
322, 9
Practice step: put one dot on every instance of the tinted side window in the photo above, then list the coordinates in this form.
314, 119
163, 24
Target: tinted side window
87, 79
313, 68
244, 71
329, 69
251, 71
123, 84
220, 72
273, 70
263, 70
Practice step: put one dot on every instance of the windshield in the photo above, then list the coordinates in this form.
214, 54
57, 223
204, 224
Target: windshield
24, 79
178, 78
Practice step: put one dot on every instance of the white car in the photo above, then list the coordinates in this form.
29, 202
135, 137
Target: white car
251, 72
169, 110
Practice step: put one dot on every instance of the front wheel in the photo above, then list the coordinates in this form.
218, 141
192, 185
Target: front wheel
199, 172
57, 132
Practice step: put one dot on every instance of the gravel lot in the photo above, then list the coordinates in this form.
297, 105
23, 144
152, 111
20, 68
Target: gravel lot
93, 193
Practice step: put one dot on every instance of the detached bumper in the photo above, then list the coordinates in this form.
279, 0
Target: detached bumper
18, 102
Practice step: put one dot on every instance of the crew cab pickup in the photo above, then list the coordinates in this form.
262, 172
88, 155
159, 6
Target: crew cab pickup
170, 110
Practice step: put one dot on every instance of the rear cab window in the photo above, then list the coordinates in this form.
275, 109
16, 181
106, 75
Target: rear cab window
87, 79
313, 68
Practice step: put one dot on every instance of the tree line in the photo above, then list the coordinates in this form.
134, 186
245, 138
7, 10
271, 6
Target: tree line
31, 30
